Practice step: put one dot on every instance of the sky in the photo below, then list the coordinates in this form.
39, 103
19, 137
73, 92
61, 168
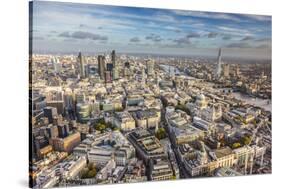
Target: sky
70, 27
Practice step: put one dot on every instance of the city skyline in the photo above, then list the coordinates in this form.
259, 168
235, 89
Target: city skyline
125, 95
72, 27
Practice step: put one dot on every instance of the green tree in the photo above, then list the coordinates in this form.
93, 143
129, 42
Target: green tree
89, 172
92, 173
236, 145
161, 133
183, 108
91, 166
100, 127
246, 140
120, 109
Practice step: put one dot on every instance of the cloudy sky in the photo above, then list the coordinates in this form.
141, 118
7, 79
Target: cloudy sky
69, 27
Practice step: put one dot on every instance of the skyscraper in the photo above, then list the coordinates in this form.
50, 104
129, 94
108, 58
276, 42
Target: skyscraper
101, 66
52, 131
226, 70
150, 67
81, 65
113, 58
108, 78
218, 68
50, 113
115, 73
56, 64
143, 77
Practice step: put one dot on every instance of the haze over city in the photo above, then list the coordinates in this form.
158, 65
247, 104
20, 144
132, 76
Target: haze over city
69, 28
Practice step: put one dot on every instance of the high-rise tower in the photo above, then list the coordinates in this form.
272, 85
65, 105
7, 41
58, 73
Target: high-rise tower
150, 67
218, 68
81, 65
113, 58
101, 66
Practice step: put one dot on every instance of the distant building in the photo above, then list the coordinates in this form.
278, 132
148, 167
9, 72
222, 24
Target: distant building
50, 113
81, 65
73, 166
100, 156
108, 76
134, 100
113, 58
218, 65
101, 67
150, 67
180, 127
66, 144
225, 68
52, 131
147, 145
226, 172
83, 111
203, 124
63, 130
115, 73
109, 67
57, 65
147, 118
160, 169
212, 113
124, 121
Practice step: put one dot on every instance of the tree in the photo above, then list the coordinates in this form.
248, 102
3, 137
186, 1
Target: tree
161, 133
101, 107
236, 145
119, 109
246, 140
183, 108
89, 172
100, 127
84, 173
91, 166
92, 173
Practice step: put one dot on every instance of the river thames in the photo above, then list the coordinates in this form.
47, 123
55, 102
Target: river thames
259, 102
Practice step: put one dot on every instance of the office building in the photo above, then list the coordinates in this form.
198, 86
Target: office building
100, 156
101, 67
66, 144
52, 131
160, 169
81, 65
108, 78
83, 111
63, 130
150, 67
124, 121
113, 58
50, 113
225, 68
57, 65
73, 166
147, 145
115, 73
218, 65
146, 119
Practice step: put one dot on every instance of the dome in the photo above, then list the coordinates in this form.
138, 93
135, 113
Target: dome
200, 97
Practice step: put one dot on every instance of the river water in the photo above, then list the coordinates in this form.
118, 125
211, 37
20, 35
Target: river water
173, 70
259, 102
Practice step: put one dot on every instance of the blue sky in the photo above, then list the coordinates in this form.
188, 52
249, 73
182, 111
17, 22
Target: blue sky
71, 27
